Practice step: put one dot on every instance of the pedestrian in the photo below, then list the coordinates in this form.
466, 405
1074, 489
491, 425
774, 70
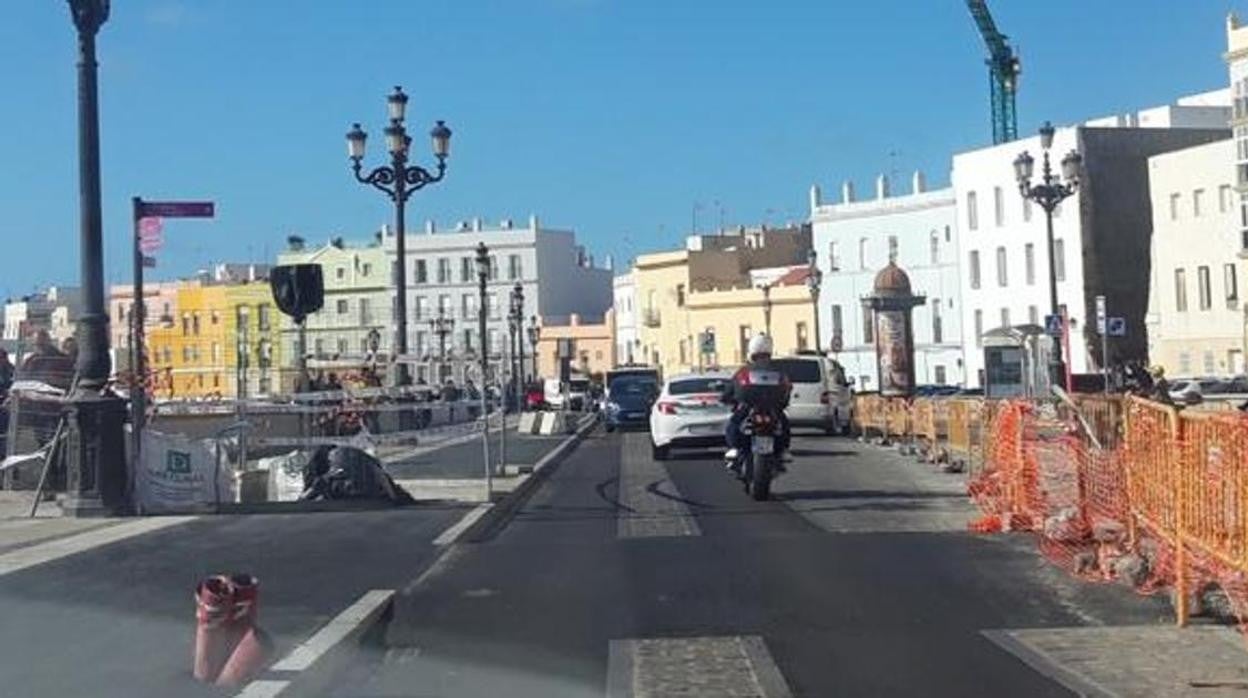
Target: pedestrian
7, 371
45, 361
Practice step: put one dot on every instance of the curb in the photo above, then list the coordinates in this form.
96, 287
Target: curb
501, 512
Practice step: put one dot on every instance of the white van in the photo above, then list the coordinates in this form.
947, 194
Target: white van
821, 396
578, 392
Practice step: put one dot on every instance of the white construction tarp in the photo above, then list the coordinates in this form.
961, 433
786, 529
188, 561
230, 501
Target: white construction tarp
179, 474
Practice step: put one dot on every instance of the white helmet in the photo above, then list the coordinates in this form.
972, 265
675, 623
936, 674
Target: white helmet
759, 344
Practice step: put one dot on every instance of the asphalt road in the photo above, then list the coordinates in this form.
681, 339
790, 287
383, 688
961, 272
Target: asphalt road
626, 577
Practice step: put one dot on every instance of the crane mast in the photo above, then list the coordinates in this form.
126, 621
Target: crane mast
1003, 71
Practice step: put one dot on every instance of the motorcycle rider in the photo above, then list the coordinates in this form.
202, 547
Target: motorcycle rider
759, 386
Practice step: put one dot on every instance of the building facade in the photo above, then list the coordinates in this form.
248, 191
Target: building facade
161, 302
624, 312
1237, 68
854, 240
594, 341
557, 276
1101, 237
39, 311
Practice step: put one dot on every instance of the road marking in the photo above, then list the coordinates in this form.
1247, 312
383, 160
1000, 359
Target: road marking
352, 621
457, 529
694, 667
263, 689
651, 505
22, 558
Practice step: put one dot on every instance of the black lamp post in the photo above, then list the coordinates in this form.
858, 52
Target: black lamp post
483, 275
442, 325
398, 180
535, 333
96, 474
814, 279
766, 308
1050, 192
515, 323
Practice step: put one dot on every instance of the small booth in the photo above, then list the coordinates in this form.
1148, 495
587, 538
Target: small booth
889, 306
1016, 362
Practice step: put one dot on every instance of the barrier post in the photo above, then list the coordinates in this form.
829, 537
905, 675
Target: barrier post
1176, 458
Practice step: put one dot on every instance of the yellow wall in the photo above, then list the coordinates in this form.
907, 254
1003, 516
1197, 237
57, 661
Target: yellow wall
595, 348
198, 351
727, 312
661, 321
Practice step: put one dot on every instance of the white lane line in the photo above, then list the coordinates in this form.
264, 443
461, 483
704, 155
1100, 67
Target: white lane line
450, 535
697, 667
263, 689
352, 621
651, 503
40, 553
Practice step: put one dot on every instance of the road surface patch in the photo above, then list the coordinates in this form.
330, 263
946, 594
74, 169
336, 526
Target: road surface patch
651, 505
1134, 660
693, 667
22, 558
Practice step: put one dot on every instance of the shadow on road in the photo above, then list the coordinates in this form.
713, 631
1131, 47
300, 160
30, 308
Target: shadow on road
795, 452
864, 494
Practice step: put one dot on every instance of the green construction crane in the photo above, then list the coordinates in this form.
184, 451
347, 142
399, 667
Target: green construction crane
1003, 70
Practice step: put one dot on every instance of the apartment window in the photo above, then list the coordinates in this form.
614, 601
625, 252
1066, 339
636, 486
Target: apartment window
468, 340
195, 323
444, 304
938, 330
837, 327
264, 315
1180, 290
1029, 262
974, 268
743, 343
1005, 317
680, 295
1224, 198
683, 352
1198, 197
803, 339
422, 341
344, 347
444, 270
948, 233
421, 272
366, 316
1204, 288
1185, 363
1033, 315
979, 328
862, 253
1059, 259
868, 325
1026, 210
186, 325
933, 247
465, 269
342, 307
319, 346
215, 317
892, 248
493, 305
998, 206
940, 377
468, 306
1174, 207
495, 344
422, 307
1231, 284
1210, 364
834, 260
514, 271
366, 269
1003, 278
972, 211
216, 354
493, 268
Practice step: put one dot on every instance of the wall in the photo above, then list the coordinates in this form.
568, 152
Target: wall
727, 312
661, 319
1195, 341
262, 339
624, 309
196, 368
595, 347
356, 275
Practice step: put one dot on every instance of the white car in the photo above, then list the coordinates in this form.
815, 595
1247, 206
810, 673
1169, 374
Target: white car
821, 396
689, 412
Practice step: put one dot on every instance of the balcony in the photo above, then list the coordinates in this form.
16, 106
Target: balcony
650, 317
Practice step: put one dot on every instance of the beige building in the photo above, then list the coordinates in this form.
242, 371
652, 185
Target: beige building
594, 342
715, 283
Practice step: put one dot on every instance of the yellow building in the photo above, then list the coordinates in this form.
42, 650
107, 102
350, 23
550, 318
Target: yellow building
595, 346
197, 354
717, 282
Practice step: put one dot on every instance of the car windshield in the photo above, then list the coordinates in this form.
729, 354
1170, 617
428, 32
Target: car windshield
691, 386
799, 370
622, 387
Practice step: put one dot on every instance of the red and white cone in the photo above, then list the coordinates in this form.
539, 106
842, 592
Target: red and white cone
213, 645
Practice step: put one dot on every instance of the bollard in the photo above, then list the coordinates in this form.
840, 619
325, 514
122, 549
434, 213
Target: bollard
213, 604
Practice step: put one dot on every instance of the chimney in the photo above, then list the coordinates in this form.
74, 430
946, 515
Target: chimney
506, 224
476, 225
847, 192
881, 187
386, 231
918, 182
574, 320
430, 227
816, 197
533, 222
462, 226
295, 243
609, 263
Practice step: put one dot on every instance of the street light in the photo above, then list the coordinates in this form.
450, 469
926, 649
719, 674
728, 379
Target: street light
535, 333
398, 181
1050, 192
95, 469
442, 325
767, 307
483, 275
515, 324
814, 279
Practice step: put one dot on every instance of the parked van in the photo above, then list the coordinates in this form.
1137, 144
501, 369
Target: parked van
821, 395
578, 392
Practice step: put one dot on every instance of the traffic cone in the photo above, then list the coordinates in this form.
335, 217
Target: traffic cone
213, 605
250, 656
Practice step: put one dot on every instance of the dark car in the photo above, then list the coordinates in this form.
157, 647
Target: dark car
629, 403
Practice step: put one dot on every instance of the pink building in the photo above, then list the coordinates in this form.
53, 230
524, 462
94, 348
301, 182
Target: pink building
161, 299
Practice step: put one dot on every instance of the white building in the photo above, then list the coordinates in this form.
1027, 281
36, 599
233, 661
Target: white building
1195, 313
627, 340
55, 310
1101, 234
854, 240
556, 275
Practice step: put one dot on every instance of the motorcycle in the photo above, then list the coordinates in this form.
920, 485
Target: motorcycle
757, 466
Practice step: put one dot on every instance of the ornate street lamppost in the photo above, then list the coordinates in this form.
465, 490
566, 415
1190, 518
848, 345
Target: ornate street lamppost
814, 279
96, 471
535, 333
483, 275
441, 326
515, 323
766, 309
398, 181
1050, 192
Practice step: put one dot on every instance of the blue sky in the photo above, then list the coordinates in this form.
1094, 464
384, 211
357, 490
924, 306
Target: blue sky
612, 117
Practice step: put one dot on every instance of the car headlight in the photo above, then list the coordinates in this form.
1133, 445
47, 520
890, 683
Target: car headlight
613, 407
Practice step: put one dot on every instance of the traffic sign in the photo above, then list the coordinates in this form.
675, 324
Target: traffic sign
176, 209
1100, 314
1117, 326
838, 343
1053, 325
707, 342
150, 235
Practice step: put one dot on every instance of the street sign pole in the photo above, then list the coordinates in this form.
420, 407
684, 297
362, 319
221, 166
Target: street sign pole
1102, 325
138, 394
